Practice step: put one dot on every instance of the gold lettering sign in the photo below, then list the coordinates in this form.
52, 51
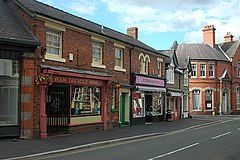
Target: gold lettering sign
79, 81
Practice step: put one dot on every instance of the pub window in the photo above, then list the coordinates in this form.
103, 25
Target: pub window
196, 100
86, 101
208, 99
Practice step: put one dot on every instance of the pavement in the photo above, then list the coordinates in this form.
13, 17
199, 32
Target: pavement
20, 149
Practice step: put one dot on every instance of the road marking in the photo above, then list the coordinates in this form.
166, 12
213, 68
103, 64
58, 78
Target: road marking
178, 150
238, 129
224, 134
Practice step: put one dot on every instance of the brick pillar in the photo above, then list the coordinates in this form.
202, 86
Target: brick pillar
27, 96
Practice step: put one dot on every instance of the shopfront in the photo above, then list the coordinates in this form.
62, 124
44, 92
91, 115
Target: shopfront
9, 95
174, 103
148, 99
74, 102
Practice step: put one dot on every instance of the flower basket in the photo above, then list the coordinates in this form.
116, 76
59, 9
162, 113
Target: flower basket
116, 84
43, 79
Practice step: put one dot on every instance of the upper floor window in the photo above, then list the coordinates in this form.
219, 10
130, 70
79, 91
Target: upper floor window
238, 69
185, 83
238, 98
170, 75
119, 57
211, 70
141, 64
144, 63
194, 70
159, 65
202, 70
54, 39
147, 60
97, 52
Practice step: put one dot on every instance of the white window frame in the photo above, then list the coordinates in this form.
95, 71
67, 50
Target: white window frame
238, 98
238, 69
159, 63
197, 91
141, 60
194, 70
97, 44
51, 56
211, 70
146, 64
209, 91
121, 48
202, 70
170, 75
185, 83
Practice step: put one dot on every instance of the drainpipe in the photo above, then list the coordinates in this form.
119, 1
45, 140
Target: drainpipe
131, 82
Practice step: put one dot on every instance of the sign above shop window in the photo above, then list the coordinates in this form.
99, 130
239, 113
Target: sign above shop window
79, 81
150, 81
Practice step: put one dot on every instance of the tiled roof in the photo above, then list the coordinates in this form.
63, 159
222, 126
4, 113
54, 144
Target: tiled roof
12, 29
183, 62
54, 13
200, 52
230, 48
169, 53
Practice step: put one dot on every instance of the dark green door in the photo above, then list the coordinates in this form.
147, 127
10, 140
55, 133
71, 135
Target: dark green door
122, 113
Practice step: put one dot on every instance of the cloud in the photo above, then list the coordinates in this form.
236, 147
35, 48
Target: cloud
189, 16
83, 6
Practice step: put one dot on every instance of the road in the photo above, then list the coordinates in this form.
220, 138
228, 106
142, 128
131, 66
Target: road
215, 142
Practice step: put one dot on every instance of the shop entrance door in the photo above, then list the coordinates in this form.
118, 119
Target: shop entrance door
224, 102
149, 107
57, 109
124, 110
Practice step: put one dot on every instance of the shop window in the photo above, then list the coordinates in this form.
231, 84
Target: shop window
208, 99
194, 70
159, 108
196, 100
238, 98
138, 105
9, 92
114, 103
185, 103
86, 101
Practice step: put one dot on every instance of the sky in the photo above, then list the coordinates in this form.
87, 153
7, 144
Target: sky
159, 22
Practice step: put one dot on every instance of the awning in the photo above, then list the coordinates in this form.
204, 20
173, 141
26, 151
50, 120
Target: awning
150, 89
175, 94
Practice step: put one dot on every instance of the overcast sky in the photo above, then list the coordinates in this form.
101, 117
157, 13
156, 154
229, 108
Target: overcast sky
160, 22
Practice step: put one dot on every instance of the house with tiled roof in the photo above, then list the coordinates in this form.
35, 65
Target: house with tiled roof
17, 46
88, 76
212, 87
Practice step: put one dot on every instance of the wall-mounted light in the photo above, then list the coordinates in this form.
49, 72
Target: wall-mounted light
42, 53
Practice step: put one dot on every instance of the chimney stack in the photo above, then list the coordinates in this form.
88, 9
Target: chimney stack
228, 37
209, 35
133, 32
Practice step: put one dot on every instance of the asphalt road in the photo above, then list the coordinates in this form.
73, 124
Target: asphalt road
215, 142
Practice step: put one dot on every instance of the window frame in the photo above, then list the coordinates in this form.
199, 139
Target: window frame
159, 66
238, 69
185, 80
213, 73
194, 66
99, 46
199, 93
203, 71
238, 98
209, 92
50, 56
146, 64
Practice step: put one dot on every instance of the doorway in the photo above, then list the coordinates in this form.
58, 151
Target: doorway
124, 110
224, 102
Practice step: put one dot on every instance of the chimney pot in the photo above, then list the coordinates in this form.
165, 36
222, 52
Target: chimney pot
133, 32
228, 37
209, 35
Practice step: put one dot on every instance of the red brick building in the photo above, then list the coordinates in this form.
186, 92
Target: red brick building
214, 84
83, 73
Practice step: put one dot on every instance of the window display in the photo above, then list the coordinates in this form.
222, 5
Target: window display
86, 101
138, 105
9, 92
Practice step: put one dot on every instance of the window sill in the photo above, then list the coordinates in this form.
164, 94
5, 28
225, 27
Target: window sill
114, 110
117, 68
54, 58
98, 65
